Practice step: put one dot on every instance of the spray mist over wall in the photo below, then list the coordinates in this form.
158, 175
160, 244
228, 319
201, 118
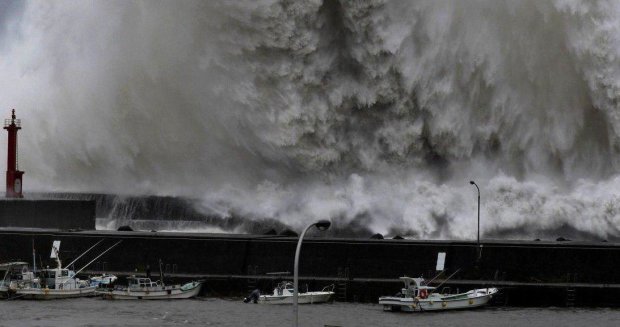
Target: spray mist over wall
373, 113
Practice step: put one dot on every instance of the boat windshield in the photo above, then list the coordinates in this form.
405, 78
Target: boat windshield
285, 286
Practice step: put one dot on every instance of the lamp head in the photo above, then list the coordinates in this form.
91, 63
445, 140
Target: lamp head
472, 183
323, 224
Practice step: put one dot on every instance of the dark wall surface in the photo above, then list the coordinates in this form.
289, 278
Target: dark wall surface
561, 273
57, 214
238, 254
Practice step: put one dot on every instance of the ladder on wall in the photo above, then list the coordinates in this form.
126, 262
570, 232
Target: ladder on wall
571, 292
341, 285
571, 296
252, 282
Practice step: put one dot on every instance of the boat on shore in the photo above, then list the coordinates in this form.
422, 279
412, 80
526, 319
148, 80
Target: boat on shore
418, 297
145, 289
283, 294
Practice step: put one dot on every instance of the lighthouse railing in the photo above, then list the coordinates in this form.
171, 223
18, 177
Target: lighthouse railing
9, 122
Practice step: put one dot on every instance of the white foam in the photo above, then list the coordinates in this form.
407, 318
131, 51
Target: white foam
307, 110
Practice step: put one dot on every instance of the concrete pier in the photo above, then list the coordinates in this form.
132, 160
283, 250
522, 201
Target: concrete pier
47, 213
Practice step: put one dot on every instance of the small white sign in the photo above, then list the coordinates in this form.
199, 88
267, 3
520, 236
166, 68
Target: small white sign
441, 260
55, 249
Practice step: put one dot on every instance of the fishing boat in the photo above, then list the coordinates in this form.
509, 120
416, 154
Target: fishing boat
418, 297
16, 274
145, 289
59, 282
103, 280
284, 292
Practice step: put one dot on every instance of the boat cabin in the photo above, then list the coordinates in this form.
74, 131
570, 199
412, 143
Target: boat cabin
284, 288
58, 278
15, 272
138, 283
414, 287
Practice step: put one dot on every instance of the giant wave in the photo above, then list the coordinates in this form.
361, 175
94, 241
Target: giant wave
371, 113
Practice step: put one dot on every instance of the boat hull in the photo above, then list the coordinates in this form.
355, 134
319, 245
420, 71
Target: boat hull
160, 293
51, 294
303, 298
5, 292
473, 299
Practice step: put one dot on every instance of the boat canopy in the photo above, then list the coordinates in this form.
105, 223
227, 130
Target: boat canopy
409, 280
416, 283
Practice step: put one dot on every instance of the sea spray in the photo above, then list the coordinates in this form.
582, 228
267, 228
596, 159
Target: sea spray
371, 111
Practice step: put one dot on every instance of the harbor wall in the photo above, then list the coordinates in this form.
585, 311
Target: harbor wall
362, 269
47, 213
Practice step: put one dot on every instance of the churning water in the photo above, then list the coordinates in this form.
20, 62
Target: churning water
371, 113
234, 313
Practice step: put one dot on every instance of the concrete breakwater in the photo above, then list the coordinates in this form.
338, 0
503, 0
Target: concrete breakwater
48, 213
530, 273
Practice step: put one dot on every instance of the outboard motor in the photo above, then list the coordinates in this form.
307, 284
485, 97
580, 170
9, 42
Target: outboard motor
252, 297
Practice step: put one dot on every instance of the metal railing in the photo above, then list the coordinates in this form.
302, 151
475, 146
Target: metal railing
8, 122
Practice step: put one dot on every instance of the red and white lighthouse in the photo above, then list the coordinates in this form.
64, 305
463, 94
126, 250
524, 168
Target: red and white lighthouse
13, 176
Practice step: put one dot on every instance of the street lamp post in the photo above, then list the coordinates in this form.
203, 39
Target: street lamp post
320, 225
476, 185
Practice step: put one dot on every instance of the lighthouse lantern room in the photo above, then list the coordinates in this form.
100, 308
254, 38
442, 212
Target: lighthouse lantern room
13, 175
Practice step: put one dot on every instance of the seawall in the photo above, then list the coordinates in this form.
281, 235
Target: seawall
47, 213
362, 268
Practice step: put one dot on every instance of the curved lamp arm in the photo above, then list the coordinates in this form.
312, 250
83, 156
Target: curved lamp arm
320, 225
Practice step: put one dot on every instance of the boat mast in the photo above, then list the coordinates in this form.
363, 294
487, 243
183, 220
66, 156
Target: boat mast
88, 264
99, 256
161, 273
34, 258
445, 280
81, 255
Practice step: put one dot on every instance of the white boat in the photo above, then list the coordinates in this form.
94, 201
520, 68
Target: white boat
283, 294
103, 280
16, 274
145, 289
417, 297
57, 283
